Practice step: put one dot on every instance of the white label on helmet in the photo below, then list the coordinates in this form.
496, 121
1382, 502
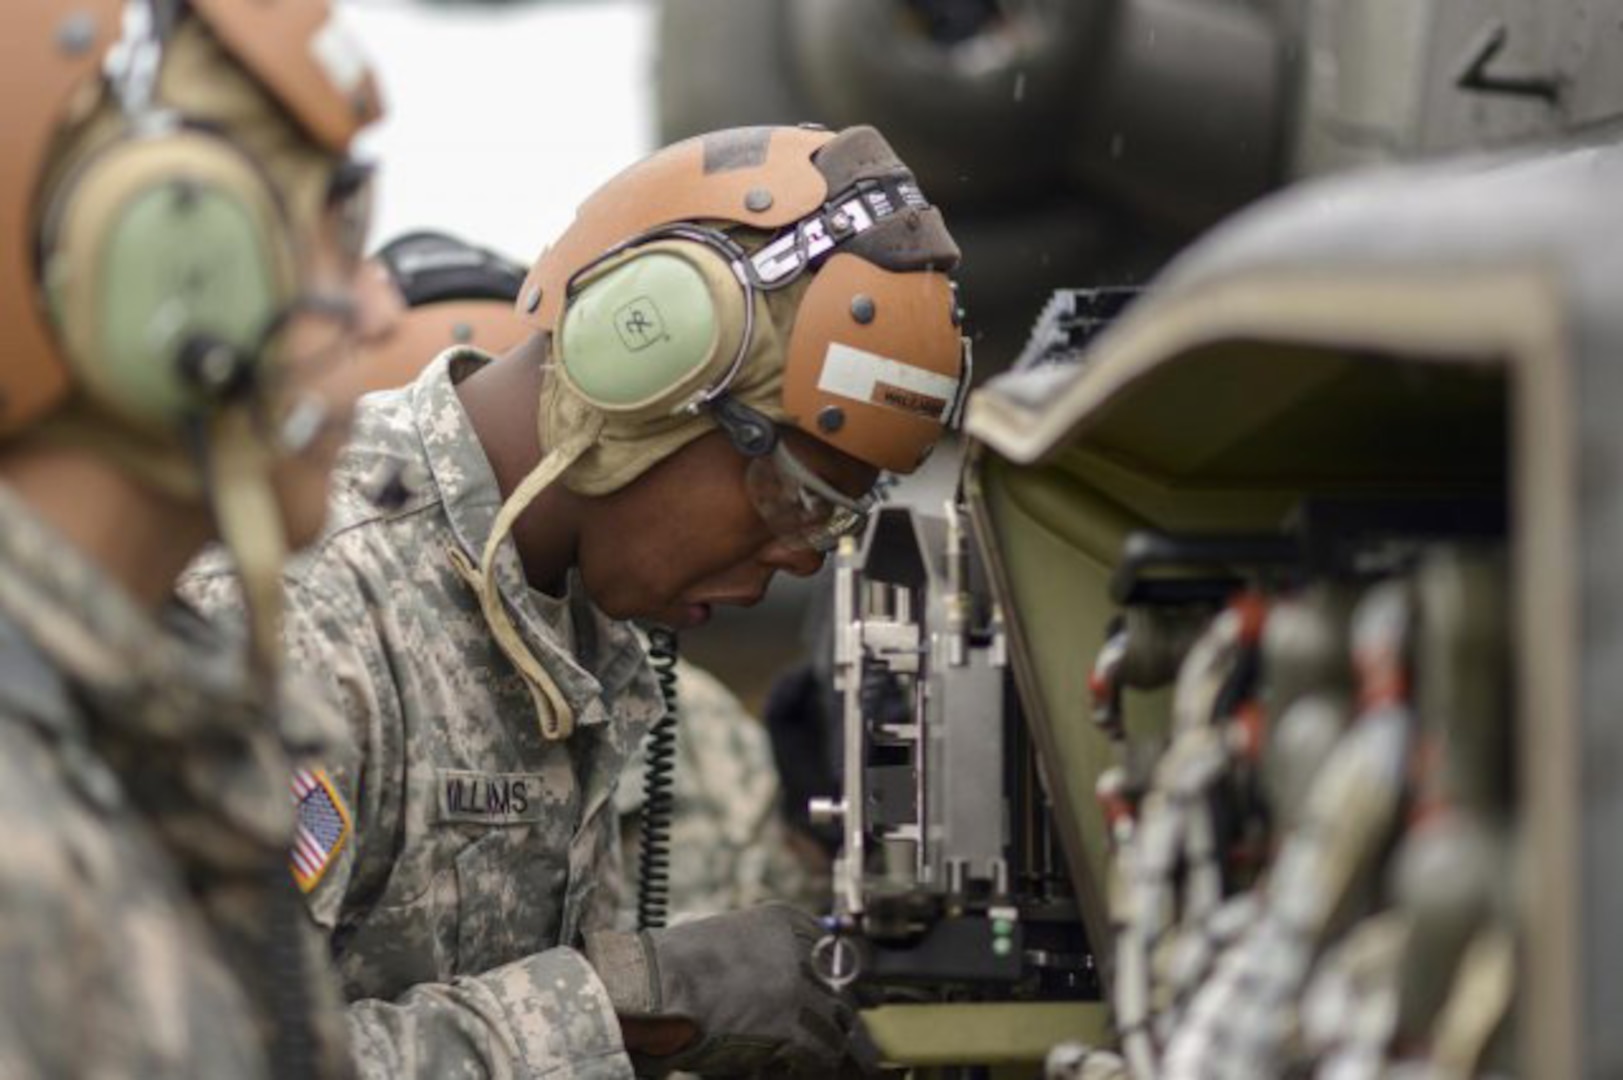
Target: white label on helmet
879, 380
339, 54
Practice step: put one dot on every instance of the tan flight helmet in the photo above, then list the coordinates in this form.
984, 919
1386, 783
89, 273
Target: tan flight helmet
439, 291
746, 279
163, 161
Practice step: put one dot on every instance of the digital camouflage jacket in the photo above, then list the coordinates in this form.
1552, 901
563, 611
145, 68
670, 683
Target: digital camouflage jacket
479, 852
149, 925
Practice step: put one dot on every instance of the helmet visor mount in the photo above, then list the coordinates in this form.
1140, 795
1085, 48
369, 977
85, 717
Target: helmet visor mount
805, 243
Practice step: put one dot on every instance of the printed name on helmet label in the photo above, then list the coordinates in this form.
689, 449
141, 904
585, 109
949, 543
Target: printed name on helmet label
488, 798
879, 380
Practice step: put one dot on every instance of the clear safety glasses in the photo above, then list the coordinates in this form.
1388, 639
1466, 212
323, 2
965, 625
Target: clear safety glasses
799, 506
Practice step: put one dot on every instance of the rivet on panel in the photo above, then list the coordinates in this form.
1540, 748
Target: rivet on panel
758, 200
831, 418
461, 333
862, 308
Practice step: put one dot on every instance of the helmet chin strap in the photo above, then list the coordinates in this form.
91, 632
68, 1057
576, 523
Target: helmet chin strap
556, 717
237, 465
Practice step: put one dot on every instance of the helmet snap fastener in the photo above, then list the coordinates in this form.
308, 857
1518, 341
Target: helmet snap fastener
758, 200
862, 308
831, 418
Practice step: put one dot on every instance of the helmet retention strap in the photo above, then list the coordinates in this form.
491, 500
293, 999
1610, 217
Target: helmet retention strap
556, 717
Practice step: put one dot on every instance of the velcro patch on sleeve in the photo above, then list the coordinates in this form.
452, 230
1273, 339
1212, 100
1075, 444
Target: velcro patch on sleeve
322, 826
863, 376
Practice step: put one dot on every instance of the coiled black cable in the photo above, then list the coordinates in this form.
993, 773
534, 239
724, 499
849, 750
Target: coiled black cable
293, 1046
654, 854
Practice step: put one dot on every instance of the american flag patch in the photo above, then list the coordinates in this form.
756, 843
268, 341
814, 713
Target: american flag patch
323, 826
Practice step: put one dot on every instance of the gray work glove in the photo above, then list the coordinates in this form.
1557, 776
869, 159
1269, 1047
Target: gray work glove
745, 980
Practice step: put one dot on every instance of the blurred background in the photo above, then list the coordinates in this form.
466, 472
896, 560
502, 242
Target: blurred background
502, 117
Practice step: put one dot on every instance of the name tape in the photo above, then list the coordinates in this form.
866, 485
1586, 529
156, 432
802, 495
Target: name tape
488, 798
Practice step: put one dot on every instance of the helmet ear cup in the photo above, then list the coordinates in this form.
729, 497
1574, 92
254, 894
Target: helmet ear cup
649, 330
159, 252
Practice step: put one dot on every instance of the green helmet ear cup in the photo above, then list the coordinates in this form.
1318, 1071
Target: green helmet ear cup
160, 242
651, 328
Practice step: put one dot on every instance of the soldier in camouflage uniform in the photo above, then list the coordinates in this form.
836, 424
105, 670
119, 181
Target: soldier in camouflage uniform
493, 527
476, 841
149, 924
442, 291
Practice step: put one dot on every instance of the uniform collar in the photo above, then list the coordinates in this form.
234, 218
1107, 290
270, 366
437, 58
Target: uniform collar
467, 488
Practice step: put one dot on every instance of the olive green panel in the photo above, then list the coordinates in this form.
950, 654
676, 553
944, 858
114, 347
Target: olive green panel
1244, 415
1051, 543
983, 1033
1185, 507
1229, 443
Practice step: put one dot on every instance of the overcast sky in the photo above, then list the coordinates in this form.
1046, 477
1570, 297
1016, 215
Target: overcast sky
502, 119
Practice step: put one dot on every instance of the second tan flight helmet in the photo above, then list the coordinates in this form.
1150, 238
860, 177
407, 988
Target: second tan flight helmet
438, 291
744, 279
163, 161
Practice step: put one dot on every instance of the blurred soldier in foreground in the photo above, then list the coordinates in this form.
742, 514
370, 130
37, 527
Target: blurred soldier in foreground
734, 338
443, 291
179, 232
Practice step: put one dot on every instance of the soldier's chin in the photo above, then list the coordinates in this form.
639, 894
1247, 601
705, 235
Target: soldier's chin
682, 616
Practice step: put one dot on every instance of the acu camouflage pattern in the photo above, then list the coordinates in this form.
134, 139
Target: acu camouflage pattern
733, 844
453, 928
144, 869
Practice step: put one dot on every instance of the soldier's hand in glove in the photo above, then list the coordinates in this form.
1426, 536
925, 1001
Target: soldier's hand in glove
737, 990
